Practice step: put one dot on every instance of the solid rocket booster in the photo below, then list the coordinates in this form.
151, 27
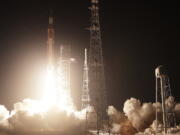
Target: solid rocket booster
50, 42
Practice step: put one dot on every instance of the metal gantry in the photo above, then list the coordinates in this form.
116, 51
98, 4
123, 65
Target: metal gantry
97, 86
163, 94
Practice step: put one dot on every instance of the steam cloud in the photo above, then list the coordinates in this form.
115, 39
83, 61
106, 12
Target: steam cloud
23, 119
139, 118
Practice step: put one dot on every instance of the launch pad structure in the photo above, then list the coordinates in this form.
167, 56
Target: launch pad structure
97, 86
163, 94
94, 88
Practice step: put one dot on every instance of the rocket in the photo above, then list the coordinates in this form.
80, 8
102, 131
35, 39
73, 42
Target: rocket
50, 42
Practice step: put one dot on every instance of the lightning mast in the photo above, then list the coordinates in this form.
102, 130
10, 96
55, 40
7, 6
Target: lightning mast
85, 89
95, 62
164, 90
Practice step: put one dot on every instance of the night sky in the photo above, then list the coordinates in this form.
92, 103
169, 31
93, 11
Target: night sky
137, 37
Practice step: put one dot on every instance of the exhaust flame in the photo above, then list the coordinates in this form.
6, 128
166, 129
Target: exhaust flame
55, 92
54, 111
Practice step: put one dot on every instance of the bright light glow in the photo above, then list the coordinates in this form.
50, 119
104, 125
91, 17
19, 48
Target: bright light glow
54, 106
30, 106
49, 95
55, 94
56, 91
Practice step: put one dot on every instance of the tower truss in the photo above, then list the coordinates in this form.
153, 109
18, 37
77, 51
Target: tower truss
164, 96
95, 62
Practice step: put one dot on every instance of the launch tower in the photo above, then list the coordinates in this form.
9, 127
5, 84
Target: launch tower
163, 90
95, 62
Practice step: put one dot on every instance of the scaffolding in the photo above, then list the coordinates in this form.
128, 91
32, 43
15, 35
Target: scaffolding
163, 94
97, 86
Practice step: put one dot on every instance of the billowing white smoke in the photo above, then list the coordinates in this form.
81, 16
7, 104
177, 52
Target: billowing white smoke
4, 114
27, 117
140, 117
157, 128
117, 118
119, 122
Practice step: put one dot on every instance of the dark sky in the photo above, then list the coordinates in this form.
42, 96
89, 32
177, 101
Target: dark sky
137, 37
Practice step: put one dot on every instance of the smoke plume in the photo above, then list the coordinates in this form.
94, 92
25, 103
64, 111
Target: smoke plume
29, 117
119, 122
139, 117
26, 118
